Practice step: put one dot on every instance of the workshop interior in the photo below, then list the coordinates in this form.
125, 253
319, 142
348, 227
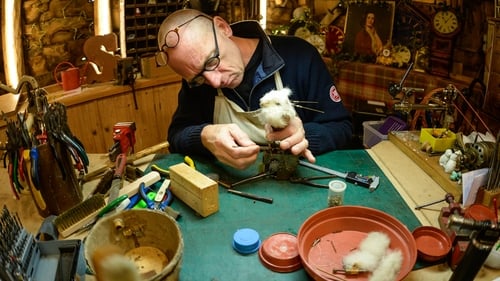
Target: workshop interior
90, 191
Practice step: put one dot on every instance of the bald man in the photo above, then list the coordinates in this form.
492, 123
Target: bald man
226, 69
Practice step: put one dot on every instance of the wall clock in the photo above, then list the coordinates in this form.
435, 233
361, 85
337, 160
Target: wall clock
334, 39
401, 55
445, 25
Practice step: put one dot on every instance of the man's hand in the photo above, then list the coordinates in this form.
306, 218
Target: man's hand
230, 145
292, 137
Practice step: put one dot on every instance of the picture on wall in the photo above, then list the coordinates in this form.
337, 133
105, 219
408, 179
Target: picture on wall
368, 28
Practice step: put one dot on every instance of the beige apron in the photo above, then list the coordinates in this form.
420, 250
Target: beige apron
226, 112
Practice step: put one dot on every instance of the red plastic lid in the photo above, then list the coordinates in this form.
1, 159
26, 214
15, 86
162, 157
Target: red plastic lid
479, 212
280, 253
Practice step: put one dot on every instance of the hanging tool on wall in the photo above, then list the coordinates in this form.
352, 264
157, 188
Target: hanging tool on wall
126, 75
38, 123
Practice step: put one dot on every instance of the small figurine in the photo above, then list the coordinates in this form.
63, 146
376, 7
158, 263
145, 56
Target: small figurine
445, 157
451, 164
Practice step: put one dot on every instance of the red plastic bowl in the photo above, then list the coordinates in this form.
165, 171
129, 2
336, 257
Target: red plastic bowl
330, 234
279, 253
432, 243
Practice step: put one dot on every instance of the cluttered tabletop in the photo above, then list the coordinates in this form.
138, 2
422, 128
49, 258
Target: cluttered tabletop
217, 224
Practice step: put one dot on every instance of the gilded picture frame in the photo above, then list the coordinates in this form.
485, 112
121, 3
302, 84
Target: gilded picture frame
368, 28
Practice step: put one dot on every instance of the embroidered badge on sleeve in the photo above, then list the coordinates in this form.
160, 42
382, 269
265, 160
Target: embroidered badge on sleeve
334, 95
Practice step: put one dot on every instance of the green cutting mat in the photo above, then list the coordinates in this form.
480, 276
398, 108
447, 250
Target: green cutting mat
208, 252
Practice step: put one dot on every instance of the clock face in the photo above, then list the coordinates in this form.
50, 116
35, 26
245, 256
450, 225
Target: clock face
334, 39
401, 55
445, 23
404, 53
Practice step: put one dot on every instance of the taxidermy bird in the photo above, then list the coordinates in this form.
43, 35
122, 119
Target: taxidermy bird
276, 108
111, 265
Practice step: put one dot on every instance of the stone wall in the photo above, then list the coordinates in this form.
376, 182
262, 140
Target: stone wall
53, 32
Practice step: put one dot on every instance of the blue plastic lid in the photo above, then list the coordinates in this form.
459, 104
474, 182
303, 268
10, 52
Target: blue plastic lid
246, 241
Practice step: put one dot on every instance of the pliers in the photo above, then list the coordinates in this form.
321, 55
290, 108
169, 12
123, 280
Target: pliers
161, 200
309, 180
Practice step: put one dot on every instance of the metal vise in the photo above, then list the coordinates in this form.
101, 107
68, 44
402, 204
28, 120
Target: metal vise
278, 163
124, 137
458, 236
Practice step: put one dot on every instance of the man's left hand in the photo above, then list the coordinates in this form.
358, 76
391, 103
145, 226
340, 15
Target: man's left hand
293, 138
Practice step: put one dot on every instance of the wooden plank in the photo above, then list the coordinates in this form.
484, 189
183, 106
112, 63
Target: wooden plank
407, 142
85, 123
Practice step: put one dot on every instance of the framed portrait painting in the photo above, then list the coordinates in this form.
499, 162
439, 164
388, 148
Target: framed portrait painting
368, 27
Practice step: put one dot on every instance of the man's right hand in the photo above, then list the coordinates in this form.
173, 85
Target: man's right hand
230, 145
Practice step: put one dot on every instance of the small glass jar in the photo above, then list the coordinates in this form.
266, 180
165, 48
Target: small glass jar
336, 190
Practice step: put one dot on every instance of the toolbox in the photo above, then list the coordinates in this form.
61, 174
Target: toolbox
29, 259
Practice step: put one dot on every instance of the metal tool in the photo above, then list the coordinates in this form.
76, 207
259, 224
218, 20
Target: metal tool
111, 206
459, 236
159, 202
370, 182
310, 180
114, 191
164, 173
448, 198
18, 249
124, 137
484, 236
189, 162
494, 172
351, 271
250, 196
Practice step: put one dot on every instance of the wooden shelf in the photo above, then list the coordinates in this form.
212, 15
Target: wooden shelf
142, 22
408, 143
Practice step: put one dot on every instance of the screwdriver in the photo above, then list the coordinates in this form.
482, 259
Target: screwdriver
448, 198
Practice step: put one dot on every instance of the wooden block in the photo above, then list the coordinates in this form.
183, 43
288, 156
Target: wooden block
195, 189
485, 197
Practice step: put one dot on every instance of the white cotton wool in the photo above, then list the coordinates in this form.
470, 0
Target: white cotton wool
360, 260
389, 267
276, 108
375, 243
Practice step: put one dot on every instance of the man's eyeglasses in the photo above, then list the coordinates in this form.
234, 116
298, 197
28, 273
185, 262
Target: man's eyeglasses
172, 40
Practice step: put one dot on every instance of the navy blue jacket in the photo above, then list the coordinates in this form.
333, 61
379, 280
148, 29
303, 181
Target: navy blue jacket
302, 69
